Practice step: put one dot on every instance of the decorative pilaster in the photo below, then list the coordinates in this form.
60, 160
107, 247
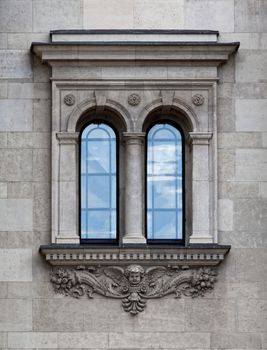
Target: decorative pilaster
134, 188
201, 188
65, 229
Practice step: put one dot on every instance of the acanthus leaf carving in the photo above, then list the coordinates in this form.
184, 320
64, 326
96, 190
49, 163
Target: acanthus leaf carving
133, 284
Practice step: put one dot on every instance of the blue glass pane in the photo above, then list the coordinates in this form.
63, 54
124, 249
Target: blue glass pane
164, 182
98, 182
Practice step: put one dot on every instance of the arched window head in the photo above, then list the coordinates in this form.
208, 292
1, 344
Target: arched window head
165, 192
98, 182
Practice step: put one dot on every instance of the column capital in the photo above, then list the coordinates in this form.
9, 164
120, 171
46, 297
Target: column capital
200, 138
134, 137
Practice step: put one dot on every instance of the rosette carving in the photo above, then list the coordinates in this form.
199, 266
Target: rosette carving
133, 284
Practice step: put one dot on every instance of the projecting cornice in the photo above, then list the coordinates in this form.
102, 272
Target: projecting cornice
176, 46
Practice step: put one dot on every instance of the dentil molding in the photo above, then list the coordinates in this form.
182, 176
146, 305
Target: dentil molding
133, 284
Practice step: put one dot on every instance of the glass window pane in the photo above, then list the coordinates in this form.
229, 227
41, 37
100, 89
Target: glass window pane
164, 182
98, 182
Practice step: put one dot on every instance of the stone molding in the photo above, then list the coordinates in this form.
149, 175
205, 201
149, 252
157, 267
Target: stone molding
133, 284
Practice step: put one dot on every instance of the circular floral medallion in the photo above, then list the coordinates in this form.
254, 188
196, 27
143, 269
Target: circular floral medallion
198, 99
69, 100
134, 99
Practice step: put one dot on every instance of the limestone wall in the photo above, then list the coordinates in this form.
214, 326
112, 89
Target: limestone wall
31, 315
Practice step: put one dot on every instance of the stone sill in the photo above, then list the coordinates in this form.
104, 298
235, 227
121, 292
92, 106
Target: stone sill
193, 255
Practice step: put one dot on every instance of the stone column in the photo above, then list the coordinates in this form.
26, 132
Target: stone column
134, 188
65, 212
202, 206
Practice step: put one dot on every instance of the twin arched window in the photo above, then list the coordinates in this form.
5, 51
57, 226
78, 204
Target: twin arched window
99, 183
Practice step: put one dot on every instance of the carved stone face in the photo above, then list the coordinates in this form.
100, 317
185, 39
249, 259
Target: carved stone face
134, 278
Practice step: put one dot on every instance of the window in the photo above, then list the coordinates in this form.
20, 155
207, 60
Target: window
98, 183
165, 194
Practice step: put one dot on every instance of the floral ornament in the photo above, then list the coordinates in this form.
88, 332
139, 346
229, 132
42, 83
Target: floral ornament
133, 284
134, 99
198, 100
69, 100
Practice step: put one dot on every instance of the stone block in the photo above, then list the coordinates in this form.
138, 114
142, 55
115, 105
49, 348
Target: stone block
117, 14
83, 340
15, 15
15, 115
3, 340
19, 290
41, 206
41, 165
19, 190
3, 140
264, 139
209, 14
3, 41
248, 41
249, 215
251, 315
16, 265
15, 165
68, 155
19, 140
235, 341
159, 340
15, 64
56, 14
238, 190
29, 91
226, 117
67, 206
250, 16
244, 239
16, 315
263, 189
250, 91
239, 140
3, 190
3, 291
13, 239
41, 140
225, 90
264, 340
15, 214
23, 41
3, 90
41, 72
210, 315
251, 265
226, 165
26, 340
58, 315
225, 214
42, 115
250, 66
158, 14
250, 115
251, 165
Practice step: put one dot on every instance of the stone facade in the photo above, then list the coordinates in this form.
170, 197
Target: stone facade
233, 315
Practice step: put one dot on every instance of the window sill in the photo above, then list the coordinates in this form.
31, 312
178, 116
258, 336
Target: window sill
193, 255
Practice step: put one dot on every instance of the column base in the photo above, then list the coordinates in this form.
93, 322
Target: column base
134, 239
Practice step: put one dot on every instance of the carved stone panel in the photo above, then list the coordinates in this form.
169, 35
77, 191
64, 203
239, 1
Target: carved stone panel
133, 284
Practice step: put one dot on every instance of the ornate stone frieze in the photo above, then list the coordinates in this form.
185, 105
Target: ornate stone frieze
133, 284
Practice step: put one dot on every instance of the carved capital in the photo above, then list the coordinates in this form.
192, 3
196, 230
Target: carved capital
133, 284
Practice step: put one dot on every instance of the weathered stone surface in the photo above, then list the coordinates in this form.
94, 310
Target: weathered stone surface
23, 41
3, 41
170, 340
239, 140
60, 314
225, 211
235, 341
19, 140
19, 290
3, 140
41, 206
15, 15
16, 215
15, 115
41, 165
56, 14
16, 315
14, 239
251, 165
41, 340
250, 215
251, 315
209, 14
226, 165
248, 41
250, 66
3, 190
251, 265
29, 91
19, 190
42, 115
83, 340
250, 16
226, 116
238, 189
15, 64
250, 115
16, 165
249, 91
16, 265
3, 89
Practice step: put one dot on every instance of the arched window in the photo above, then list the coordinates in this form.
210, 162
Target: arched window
98, 183
165, 178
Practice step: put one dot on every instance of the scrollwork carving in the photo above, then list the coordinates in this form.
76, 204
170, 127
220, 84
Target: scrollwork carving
133, 284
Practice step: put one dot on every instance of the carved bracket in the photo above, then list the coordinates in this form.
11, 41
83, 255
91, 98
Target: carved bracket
133, 284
